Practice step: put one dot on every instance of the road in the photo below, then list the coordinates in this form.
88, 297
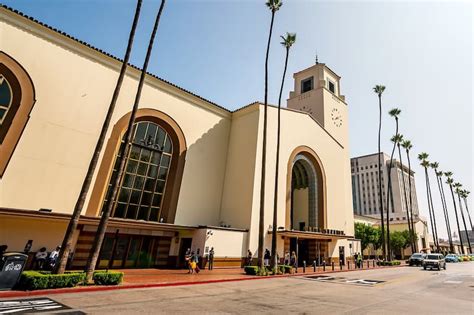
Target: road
405, 290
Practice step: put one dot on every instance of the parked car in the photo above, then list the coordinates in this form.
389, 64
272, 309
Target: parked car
416, 259
434, 261
451, 258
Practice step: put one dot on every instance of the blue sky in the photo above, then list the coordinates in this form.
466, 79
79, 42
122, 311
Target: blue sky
421, 51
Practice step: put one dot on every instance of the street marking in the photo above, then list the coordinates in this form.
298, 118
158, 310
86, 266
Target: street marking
330, 279
452, 282
34, 305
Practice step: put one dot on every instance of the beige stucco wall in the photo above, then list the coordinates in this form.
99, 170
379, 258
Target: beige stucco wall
43, 232
221, 179
226, 243
335, 162
73, 87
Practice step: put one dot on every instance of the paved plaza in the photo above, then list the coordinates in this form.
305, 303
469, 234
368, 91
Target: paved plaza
403, 290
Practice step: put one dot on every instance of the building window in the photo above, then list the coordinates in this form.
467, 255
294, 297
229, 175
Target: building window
6, 98
17, 97
306, 85
331, 86
144, 180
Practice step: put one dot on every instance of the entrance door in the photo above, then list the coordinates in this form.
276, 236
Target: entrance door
185, 244
342, 257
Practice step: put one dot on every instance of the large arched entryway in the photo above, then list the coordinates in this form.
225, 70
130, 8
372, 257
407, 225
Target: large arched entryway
306, 206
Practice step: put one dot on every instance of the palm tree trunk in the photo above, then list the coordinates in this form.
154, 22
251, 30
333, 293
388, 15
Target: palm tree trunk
73, 222
94, 254
445, 210
468, 214
434, 217
390, 193
277, 164
384, 253
429, 205
261, 225
457, 218
410, 228
465, 227
411, 199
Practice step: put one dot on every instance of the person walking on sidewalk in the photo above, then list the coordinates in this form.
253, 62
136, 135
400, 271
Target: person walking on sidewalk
211, 259
249, 258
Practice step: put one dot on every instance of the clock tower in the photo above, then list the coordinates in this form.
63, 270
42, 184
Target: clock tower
317, 92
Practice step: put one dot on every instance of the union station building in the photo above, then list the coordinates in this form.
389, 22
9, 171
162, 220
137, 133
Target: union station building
192, 176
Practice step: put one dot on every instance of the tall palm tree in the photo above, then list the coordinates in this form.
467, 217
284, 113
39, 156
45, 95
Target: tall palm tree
410, 228
124, 150
379, 89
287, 42
74, 220
450, 182
406, 144
465, 194
423, 157
459, 192
394, 113
439, 180
274, 6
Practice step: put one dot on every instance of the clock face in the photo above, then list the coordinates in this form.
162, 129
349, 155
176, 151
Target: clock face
336, 117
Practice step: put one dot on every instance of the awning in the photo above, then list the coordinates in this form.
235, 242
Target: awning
311, 235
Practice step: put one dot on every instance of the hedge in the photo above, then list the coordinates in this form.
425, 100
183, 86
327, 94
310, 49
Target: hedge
107, 277
34, 280
251, 270
388, 263
285, 268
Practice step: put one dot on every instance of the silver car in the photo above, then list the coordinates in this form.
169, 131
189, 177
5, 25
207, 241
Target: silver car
434, 261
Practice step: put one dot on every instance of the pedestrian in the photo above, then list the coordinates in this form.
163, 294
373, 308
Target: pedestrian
249, 257
40, 258
53, 257
287, 258
359, 261
196, 260
187, 260
3, 249
356, 259
294, 260
211, 258
266, 258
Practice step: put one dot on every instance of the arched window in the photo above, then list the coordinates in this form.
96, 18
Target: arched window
143, 183
17, 98
6, 98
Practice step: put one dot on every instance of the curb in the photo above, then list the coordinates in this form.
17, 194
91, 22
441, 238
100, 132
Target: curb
16, 294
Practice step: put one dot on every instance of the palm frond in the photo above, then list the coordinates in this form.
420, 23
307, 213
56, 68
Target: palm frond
434, 165
406, 144
288, 40
274, 5
423, 156
379, 89
394, 112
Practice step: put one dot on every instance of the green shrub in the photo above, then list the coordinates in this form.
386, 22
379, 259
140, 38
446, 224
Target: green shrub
34, 280
285, 268
251, 270
107, 277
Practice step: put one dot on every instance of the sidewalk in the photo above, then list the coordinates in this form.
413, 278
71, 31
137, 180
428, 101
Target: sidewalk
149, 278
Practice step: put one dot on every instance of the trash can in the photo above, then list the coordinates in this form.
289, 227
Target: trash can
12, 264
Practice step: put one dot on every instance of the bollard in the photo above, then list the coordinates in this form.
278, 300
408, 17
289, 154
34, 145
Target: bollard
304, 266
373, 263
324, 265
314, 266
340, 264
332, 263
368, 264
